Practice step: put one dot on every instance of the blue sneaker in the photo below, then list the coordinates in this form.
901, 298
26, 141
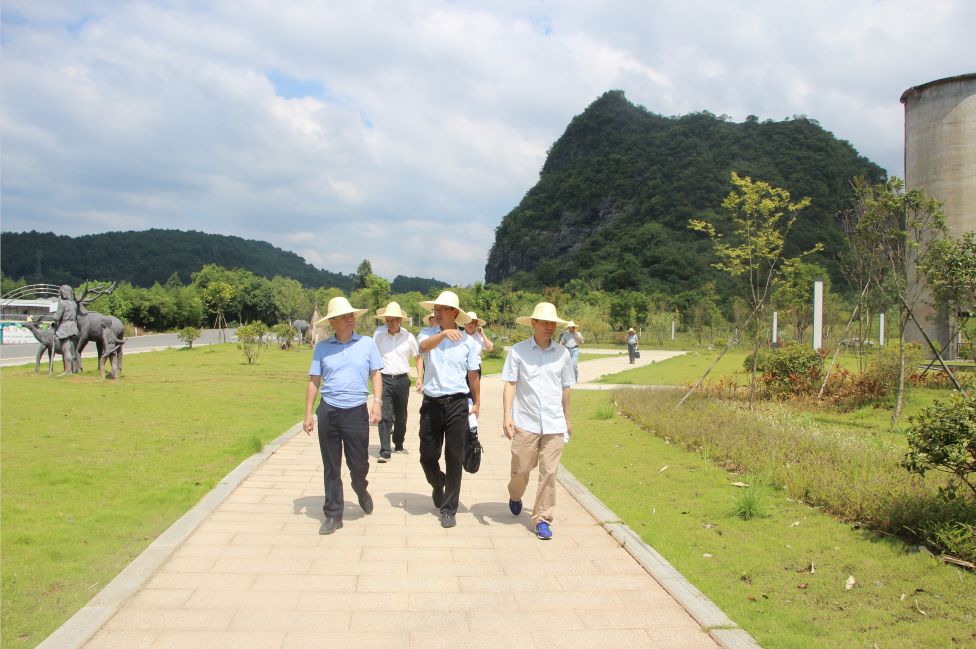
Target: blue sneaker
543, 531
515, 506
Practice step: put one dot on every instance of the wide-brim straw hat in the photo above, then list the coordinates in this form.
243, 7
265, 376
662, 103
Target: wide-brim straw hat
474, 316
448, 299
392, 310
340, 306
631, 331
570, 324
543, 311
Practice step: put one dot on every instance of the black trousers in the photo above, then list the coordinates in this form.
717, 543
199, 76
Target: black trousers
396, 393
343, 428
444, 423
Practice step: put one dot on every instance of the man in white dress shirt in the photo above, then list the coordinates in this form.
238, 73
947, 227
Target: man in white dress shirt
538, 373
398, 348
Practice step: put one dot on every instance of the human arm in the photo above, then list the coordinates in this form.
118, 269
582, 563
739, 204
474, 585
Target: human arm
486, 343
475, 381
419, 361
430, 342
377, 412
313, 388
508, 396
569, 428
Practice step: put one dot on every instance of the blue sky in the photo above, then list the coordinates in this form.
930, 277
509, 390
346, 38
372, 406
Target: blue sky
403, 132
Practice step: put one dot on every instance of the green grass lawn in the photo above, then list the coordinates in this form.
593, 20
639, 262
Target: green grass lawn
94, 471
780, 575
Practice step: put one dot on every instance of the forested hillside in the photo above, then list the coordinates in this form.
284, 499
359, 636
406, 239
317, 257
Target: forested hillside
149, 257
614, 196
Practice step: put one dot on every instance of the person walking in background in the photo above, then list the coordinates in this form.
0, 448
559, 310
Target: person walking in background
475, 329
398, 348
342, 367
450, 356
538, 374
632, 345
571, 340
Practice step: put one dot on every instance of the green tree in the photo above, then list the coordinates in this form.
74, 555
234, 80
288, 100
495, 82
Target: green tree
251, 341
363, 271
188, 335
950, 273
288, 298
943, 438
761, 218
793, 296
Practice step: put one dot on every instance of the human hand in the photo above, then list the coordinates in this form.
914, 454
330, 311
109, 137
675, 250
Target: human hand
376, 413
309, 424
452, 334
508, 427
475, 409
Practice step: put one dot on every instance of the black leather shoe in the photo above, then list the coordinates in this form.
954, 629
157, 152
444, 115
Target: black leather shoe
366, 502
447, 520
330, 525
438, 496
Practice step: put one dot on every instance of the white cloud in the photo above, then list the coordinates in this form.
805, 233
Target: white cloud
429, 120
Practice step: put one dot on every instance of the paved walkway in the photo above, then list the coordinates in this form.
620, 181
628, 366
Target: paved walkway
253, 572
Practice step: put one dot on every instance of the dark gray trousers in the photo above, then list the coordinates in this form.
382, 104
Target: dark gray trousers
338, 428
444, 423
396, 393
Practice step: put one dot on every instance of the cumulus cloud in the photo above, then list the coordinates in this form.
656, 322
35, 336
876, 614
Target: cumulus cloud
403, 132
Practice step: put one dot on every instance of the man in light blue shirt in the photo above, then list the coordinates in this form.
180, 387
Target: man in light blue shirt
341, 368
450, 356
538, 374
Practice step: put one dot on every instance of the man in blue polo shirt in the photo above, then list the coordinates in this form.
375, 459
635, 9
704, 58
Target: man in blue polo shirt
450, 357
341, 368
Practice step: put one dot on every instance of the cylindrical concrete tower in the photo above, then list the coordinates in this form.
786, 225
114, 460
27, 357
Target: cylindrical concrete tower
940, 157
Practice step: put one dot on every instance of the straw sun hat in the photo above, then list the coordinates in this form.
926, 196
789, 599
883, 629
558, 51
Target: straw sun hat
392, 310
570, 324
474, 316
543, 311
340, 306
448, 299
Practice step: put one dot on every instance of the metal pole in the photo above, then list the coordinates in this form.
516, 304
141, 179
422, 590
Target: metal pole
818, 314
775, 327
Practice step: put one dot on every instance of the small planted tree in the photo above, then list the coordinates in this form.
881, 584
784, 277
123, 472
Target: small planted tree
943, 438
250, 340
761, 218
188, 335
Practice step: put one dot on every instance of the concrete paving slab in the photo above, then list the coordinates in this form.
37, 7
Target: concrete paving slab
247, 567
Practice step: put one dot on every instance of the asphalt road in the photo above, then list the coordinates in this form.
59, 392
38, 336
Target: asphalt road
23, 354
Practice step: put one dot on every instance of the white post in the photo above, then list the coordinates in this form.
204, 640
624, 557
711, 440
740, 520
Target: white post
775, 326
818, 314
672, 331
881, 330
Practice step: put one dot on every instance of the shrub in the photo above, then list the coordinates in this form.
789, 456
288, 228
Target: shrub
250, 340
188, 335
285, 333
791, 371
943, 438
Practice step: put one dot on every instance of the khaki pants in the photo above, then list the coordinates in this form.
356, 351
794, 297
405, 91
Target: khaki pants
529, 450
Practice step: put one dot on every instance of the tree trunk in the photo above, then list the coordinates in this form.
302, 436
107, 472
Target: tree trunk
755, 365
899, 398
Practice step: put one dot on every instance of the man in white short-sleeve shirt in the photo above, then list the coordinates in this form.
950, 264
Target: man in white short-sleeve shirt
398, 348
538, 373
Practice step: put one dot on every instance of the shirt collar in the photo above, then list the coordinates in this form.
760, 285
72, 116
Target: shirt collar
536, 345
354, 338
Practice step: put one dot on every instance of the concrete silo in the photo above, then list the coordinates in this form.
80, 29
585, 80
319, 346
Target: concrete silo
940, 157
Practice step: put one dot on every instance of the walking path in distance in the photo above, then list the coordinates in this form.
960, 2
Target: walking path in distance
248, 569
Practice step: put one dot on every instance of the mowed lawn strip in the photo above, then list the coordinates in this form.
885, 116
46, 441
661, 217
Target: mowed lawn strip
94, 471
781, 576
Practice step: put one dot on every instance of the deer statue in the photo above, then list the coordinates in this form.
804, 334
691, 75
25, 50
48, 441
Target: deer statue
93, 325
49, 343
112, 353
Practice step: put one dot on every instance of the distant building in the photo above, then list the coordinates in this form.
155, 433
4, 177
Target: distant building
13, 315
940, 157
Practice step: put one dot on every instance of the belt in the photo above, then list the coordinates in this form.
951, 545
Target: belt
395, 376
447, 397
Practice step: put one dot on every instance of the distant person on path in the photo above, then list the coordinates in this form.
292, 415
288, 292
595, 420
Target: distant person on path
66, 328
342, 367
538, 374
398, 348
632, 345
450, 357
571, 340
475, 329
